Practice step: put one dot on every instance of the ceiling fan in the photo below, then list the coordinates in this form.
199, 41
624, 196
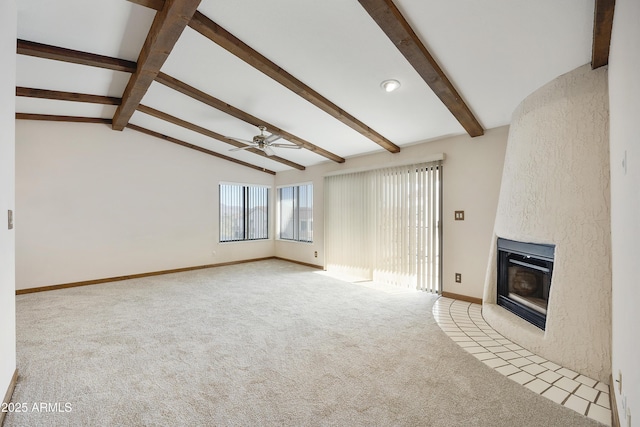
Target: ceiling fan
264, 142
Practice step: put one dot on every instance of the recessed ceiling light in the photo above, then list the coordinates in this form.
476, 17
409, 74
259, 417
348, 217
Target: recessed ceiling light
390, 85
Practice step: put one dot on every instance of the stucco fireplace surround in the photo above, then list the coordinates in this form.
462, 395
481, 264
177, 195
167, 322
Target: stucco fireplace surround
555, 191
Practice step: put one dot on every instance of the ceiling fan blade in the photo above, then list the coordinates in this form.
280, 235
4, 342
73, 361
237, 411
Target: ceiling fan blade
268, 151
271, 138
295, 147
244, 141
242, 148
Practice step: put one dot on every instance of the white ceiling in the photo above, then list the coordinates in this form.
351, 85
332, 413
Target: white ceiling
495, 52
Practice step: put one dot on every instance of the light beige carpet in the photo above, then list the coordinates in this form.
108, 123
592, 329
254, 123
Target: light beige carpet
269, 343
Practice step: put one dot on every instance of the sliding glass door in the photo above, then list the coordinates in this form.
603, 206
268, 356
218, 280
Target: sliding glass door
384, 225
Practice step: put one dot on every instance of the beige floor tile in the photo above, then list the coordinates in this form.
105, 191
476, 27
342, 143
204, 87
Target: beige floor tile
556, 394
567, 373
508, 355
590, 382
522, 377
507, 369
551, 366
520, 362
603, 400
538, 386
487, 342
549, 376
461, 338
484, 356
599, 413
537, 359
497, 348
577, 404
587, 393
567, 384
496, 362
476, 349
534, 369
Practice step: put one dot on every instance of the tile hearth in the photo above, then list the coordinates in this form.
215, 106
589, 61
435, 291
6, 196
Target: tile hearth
463, 323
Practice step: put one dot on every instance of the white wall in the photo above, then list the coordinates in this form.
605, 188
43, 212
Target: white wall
555, 190
471, 182
95, 203
624, 93
7, 184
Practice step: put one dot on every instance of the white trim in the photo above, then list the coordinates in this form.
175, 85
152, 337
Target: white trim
297, 184
427, 159
245, 184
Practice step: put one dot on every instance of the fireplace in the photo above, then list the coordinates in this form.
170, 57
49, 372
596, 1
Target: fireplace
524, 279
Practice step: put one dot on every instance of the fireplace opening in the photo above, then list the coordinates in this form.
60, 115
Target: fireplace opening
524, 279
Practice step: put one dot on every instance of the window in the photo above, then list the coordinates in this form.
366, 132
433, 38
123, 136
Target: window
295, 212
244, 212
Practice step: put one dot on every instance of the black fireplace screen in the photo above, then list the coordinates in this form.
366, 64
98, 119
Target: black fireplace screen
524, 279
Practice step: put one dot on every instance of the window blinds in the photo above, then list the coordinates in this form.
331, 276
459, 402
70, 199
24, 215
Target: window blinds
244, 212
384, 225
295, 213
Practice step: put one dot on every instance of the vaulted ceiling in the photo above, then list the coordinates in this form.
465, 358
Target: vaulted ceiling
205, 73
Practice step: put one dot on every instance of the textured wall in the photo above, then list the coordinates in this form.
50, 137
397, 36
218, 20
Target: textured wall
555, 189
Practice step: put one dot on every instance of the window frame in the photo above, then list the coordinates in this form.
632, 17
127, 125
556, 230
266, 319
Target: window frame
296, 222
245, 209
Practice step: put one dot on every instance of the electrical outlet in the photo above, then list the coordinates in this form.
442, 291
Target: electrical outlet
458, 215
458, 278
315, 254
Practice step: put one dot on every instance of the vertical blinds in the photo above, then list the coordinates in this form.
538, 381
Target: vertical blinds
384, 225
295, 213
244, 212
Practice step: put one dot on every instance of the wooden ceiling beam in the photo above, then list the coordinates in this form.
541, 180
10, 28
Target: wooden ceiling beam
45, 51
396, 27
602, 26
205, 98
237, 47
56, 118
197, 148
211, 134
168, 25
76, 119
66, 96
232, 44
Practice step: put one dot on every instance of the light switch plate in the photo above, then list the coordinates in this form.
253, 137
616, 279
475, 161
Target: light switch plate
459, 215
